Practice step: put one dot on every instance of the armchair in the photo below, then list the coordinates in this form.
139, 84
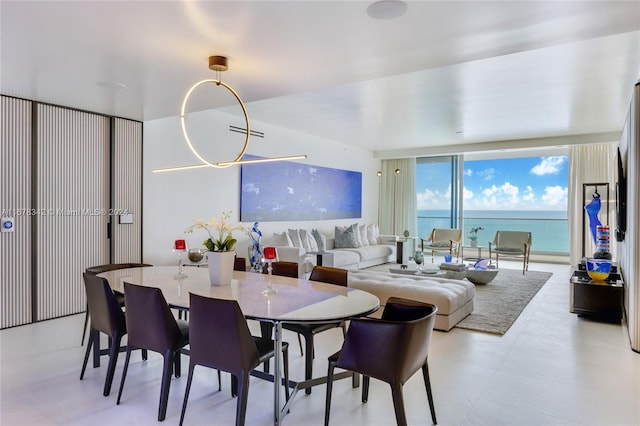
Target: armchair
443, 240
512, 244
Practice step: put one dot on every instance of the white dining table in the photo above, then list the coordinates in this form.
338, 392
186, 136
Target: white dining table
295, 301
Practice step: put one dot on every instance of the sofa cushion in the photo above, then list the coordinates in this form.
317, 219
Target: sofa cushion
362, 230
345, 237
372, 234
343, 257
371, 252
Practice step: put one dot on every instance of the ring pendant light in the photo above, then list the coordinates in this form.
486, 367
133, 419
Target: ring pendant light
218, 64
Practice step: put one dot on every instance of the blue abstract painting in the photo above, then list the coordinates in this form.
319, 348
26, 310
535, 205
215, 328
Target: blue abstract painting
287, 191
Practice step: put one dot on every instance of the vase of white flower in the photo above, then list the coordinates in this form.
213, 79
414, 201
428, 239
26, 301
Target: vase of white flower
220, 243
220, 267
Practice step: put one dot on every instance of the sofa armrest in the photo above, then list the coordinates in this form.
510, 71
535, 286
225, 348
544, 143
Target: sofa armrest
387, 239
290, 254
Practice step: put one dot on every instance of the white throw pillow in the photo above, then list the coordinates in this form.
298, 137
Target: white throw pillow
308, 241
362, 231
356, 233
281, 240
295, 238
371, 235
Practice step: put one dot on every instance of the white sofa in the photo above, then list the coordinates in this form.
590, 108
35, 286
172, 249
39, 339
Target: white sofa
347, 258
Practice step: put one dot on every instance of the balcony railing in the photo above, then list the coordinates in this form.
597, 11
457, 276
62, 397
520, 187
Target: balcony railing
548, 235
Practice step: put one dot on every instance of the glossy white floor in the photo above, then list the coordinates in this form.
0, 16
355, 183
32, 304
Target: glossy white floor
551, 368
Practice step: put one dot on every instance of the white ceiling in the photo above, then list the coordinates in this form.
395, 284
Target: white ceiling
446, 73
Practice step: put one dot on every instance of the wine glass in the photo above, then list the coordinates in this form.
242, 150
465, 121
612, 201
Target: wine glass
180, 246
418, 257
269, 254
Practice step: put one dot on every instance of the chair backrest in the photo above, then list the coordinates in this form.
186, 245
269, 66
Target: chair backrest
394, 347
98, 269
240, 264
219, 336
444, 236
150, 323
512, 239
329, 275
283, 268
104, 310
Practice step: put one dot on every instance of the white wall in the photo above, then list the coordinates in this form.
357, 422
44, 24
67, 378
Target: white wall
171, 199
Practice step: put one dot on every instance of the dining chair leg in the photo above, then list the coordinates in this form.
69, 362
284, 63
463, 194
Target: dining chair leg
327, 403
166, 384
398, 403
114, 350
243, 394
427, 384
219, 381
234, 386
86, 354
365, 388
84, 329
188, 388
177, 364
124, 374
285, 365
266, 330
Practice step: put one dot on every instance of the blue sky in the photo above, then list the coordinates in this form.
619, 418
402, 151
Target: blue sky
531, 183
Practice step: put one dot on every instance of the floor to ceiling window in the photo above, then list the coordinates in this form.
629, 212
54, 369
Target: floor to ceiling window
491, 193
518, 194
437, 186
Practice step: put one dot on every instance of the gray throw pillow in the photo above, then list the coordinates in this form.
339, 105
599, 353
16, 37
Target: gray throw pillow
345, 237
321, 240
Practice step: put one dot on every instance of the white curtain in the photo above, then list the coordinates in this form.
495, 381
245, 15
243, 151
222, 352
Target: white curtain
397, 200
590, 164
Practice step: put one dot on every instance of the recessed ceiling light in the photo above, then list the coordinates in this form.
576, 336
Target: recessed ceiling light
387, 9
113, 85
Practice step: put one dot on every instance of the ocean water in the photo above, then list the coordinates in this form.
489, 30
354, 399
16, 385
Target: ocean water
549, 229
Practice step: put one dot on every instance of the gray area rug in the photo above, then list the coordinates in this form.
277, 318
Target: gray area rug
498, 304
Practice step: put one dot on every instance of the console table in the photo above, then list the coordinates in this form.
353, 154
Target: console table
600, 300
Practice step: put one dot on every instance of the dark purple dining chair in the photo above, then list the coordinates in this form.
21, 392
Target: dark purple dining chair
391, 349
152, 326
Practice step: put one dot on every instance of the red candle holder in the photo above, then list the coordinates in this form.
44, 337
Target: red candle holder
180, 245
269, 253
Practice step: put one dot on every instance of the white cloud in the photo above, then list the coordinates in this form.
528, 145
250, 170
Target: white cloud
549, 166
555, 196
487, 174
529, 195
467, 194
468, 172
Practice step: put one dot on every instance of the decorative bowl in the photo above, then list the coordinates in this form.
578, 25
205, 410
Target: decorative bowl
598, 269
195, 255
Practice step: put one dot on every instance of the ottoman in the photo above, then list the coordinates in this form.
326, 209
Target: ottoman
454, 298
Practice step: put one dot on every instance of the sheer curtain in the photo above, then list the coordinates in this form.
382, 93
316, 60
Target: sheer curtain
397, 200
589, 164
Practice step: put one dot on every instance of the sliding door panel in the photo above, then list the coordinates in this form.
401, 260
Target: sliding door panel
126, 211
15, 202
72, 175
